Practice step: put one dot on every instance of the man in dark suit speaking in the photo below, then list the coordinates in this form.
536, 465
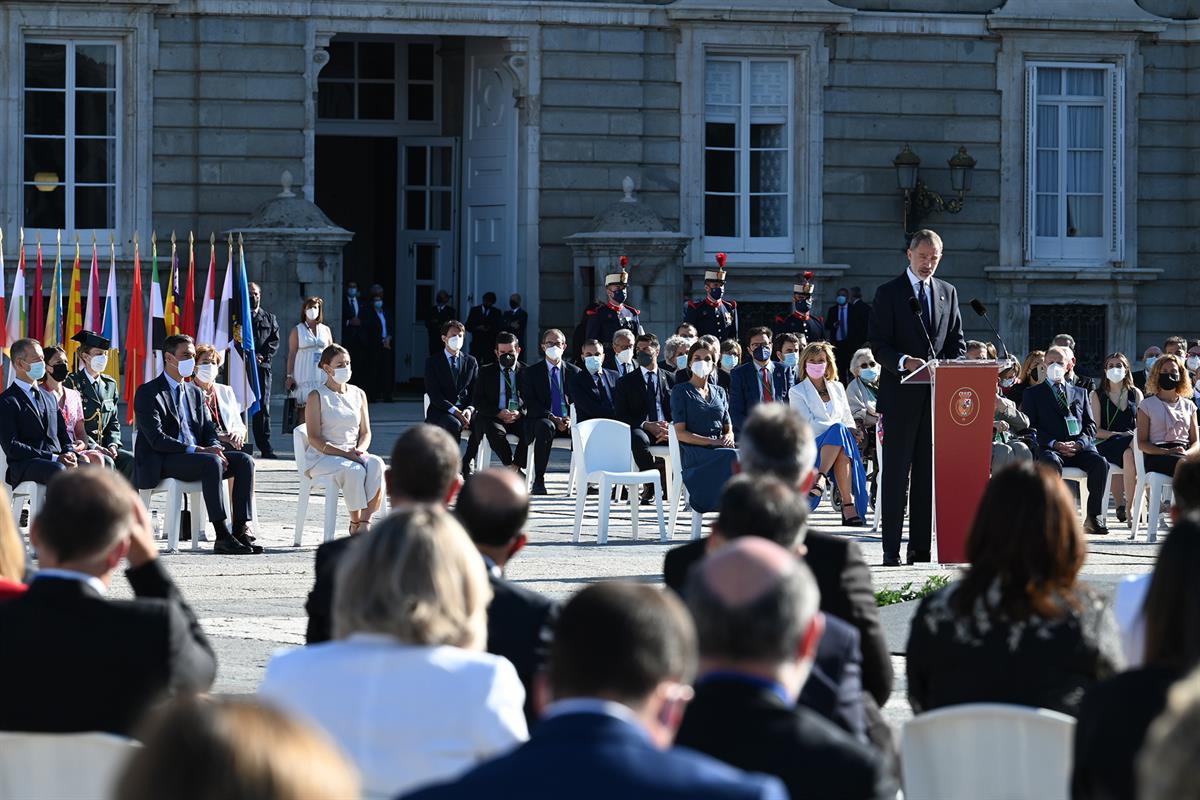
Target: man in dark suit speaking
899, 340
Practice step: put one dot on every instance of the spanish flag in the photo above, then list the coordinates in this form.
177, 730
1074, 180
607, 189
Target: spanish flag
74, 310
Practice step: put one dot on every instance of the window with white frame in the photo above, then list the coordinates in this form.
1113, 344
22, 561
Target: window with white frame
70, 131
748, 154
1074, 162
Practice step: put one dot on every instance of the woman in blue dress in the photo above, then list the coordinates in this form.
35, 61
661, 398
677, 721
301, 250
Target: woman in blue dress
700, 413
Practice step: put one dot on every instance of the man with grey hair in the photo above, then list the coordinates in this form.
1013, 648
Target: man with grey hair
622, 353
757, 626
1060, 416
1068, 341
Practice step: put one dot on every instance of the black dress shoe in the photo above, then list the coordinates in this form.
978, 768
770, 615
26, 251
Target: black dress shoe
1094, 527
268, 454
922, 557
231, 547
539, 488
891, 561
244, 539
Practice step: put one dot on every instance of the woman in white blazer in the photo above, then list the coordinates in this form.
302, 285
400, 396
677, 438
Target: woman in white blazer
222, 403
821, 400
406, 689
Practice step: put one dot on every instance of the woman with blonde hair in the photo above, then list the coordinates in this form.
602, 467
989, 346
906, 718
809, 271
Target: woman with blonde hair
12, 552
406, 689
1033, 372
305, 344
822, 401
1115, 403
1166, 419
206, 748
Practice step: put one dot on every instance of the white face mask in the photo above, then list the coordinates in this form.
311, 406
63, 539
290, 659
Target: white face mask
206, 373
341, 375
1150, 362
99, 363
625, 356
1193, 363
554, 353
455, 343
312, 313
1115, 374
1055, 372
186, 367
701, 369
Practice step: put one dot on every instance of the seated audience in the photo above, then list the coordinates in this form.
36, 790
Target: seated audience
406, 690
222, 403
863, 394
731, 356
1148, 358
33, 435
1166, 767
622, 659
623, 352
12, 552
84, 662
1114, 407
546, 389
643, 402
759, 380
1083, 382
499, 407
593, 388
1033, 372
1018, 628
787, 353
234, 749
100, 395
976, 350
493, 507
700, 414
1116, 713
70, 406
675, 351
450, 382
684, 374
757, 624
424, 470
339, 434
686, 330
1008, 425
822, 401
1166, 418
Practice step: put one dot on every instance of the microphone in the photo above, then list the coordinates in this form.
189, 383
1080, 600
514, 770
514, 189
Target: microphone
980, 309
914, 305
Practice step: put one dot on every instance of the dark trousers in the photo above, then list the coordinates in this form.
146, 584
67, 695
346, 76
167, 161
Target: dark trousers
38, 470
381, 372
496, 431
1089, 461
124, 464
206, 468
639, 443
543, 432
908, 447
262, 417
444, 420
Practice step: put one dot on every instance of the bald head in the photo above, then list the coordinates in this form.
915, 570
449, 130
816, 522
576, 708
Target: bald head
493, 506
746, 570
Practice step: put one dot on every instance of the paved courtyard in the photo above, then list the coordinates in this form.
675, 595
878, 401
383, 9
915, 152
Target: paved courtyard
252, 606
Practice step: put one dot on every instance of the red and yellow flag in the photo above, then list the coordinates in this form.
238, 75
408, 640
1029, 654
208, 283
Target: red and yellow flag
74, 323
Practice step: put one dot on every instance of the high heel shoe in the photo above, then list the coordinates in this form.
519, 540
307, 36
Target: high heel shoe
853, 522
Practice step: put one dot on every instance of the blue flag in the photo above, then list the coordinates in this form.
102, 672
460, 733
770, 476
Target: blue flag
244, 341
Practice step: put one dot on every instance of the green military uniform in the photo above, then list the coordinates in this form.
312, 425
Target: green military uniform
101, 415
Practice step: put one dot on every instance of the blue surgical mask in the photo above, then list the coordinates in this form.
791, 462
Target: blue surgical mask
1150, 362
378, 304
716, 293
762, 353
593, 363
791, 359
352, 292
681, 361
37, 370
619, 296
728, 361
841, 300
870, 374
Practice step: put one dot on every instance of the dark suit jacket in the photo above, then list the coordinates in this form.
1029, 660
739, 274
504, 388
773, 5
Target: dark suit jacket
515, 322
591, 403
353, 335
752, 728
834, 687
445, 392
630, 399
433, 326
372, 328
483, 324
486, 397
159, 427
27, 433
319, 605
596, 757
858, 317
1139, 380
81, 662
520, 628
1047, 420
743, 390
535, 387
894, 331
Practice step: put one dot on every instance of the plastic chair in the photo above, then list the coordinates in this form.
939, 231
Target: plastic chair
679, 492
1159, 487
987, 751
65, 766
1078, 476
877, 514
466, 434
176, 490
307, 485
605, 460
24, 492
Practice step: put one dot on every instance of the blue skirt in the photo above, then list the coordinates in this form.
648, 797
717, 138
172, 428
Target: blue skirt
705, 471
841, 436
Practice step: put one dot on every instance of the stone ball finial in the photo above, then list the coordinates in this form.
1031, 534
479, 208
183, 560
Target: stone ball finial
627, 188
286, 180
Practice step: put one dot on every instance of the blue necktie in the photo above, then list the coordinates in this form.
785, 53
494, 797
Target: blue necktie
556, 398
651, 398
926, 311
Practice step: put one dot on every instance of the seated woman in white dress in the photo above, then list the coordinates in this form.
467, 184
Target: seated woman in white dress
821, 400
339, 433
406, 688
221, 400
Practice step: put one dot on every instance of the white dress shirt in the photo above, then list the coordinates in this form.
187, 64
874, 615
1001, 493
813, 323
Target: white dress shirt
406, 715
915, 281
758, 378
821, 415
181, 405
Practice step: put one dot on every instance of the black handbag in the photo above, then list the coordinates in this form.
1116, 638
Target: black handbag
289, 416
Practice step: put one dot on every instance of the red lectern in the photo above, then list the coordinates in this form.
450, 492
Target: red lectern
963, 406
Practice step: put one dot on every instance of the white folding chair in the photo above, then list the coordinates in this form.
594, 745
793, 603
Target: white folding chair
987, 751
877, 514
1078, 476
679, 492
466, 434
1159, 487
25, 492
307, 485
176, 490
605, 460
36, 764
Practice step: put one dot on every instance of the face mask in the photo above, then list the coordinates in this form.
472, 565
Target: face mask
1193, 363
455, 343
762, 353
1055, 372
507, 360
716, 293
1038, 373
841, 300
37, 370
206, 373
728, 361
645, 358
1115, 374
871, 374
514, 305
1008, 383
791, 359
186, 367
352, 292
625, 356
619, 296
1168, 382
803, 306
593, 363
99, 363
815, 370
378, 304
1150, 362
312, 313
701, 368
341, 375
554, 353
59, 372
681, 361
254, 304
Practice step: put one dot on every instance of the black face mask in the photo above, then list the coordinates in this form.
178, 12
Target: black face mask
59, 372
803, 306
645, 358
507, 360
1165, 381
514, 305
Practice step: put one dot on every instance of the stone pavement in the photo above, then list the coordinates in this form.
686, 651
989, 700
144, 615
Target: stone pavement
252, 606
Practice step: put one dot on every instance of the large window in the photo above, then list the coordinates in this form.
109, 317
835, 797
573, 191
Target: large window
70, 133
747, 155
1073, 157
370, 80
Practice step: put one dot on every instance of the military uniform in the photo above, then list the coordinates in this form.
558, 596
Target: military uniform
604, 321
713, 315
101, 417
807, 326
266, 342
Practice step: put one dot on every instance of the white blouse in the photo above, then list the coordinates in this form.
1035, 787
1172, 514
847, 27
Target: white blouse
821, 415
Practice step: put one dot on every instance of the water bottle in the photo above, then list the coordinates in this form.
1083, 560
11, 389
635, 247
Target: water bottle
155, 524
